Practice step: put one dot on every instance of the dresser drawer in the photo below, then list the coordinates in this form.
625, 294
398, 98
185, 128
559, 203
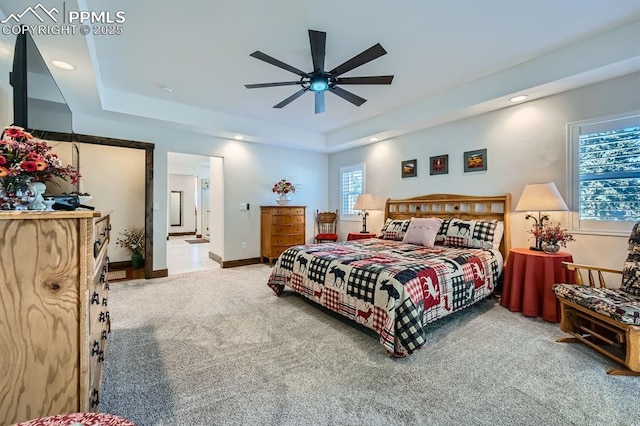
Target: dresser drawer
101, 234
287, 240
287, 220
297, 229
288, 211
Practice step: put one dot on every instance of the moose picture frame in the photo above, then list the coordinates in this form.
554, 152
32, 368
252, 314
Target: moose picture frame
439, 165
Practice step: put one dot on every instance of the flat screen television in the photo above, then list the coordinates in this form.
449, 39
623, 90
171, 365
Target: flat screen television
38, 103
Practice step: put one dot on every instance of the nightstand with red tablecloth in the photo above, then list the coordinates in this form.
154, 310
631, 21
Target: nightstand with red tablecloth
528, 280
360, 236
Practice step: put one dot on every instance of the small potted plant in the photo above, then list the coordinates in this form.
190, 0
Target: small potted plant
284, 189
132, 239
551, 237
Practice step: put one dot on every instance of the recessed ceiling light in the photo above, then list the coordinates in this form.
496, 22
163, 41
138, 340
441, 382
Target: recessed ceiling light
518, 98
63, 65
167, 89
373, 139
238, 137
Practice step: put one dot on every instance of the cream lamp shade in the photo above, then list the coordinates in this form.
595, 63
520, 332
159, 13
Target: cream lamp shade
541, 197
363, 203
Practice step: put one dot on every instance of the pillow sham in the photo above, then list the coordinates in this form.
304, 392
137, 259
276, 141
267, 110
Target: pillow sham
477, 233
394, 229
422, 231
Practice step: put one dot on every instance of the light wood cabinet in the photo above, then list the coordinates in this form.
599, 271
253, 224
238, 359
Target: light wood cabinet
54, 318
280, 228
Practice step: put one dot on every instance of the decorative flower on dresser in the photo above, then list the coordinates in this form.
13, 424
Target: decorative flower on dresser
551, 236
132, 239
25, 160
284, 188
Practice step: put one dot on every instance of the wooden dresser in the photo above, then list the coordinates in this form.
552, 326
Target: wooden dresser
54, 319
280, 228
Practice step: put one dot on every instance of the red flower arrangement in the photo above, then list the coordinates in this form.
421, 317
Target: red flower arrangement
551, 233
24, 158
283, 186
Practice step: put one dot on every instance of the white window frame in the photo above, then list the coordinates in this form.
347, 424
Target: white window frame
347, 169
574, 130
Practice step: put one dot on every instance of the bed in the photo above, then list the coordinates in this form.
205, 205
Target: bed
397, 288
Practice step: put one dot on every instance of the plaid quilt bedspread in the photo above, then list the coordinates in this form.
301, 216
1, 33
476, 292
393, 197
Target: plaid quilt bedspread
392, 288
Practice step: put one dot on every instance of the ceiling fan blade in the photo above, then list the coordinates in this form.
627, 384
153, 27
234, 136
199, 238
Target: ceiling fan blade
282, 83
380, 79
291, 98
348, 96
368, 55
319, 102
273, 61
318, 42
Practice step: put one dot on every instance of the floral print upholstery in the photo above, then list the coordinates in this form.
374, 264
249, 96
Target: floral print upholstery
614, 303
631, 269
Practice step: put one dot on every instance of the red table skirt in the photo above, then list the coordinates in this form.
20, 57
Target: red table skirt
528, 282
85, 419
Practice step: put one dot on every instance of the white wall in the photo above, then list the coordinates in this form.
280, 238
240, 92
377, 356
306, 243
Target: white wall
249, 172
526, 143
187, 185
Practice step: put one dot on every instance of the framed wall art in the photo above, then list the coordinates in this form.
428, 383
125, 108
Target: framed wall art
439, 165
475, 161
409, 168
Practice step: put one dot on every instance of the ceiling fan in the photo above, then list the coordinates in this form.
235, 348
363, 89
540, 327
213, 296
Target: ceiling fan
319, 80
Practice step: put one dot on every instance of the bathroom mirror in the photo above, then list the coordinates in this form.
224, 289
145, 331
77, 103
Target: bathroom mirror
175, 208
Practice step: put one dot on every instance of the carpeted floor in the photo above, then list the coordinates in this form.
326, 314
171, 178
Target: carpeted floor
216, 347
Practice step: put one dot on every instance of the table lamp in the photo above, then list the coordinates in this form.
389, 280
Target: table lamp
364, 203
540, 197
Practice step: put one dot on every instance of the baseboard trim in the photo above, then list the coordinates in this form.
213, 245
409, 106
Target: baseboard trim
160, 273
119, 266
181, 234
215, 258
241, 262
233, 263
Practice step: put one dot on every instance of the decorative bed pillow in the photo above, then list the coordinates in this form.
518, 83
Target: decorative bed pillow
422, 231
631, 269
471, 233
394, 229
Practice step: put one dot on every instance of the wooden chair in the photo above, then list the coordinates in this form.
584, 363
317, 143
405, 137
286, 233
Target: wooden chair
327, 226
605, 319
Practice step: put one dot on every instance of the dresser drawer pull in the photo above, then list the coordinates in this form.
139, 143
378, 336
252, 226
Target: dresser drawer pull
95, 298
102, 317
109, 227
95, 400
103, 278
104, 301
108, 317
103, 336
96, 348
107, 287
101, 356
104, 268
96, 248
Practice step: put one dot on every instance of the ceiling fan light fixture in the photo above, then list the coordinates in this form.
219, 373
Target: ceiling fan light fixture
319, 84
518, 98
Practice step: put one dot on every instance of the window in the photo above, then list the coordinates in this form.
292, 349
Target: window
604, 157
352, 180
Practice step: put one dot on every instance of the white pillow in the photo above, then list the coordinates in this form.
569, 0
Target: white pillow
422, 231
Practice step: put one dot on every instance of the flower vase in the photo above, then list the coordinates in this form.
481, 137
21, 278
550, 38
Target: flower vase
136, 260
550, 247
16, 193
284, 199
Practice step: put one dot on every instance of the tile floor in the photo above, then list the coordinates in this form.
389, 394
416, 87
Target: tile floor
184, 257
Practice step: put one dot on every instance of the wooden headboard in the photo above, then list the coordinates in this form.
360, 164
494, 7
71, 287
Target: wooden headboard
449, 206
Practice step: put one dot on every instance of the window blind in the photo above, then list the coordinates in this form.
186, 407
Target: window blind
352, 179
609, 175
